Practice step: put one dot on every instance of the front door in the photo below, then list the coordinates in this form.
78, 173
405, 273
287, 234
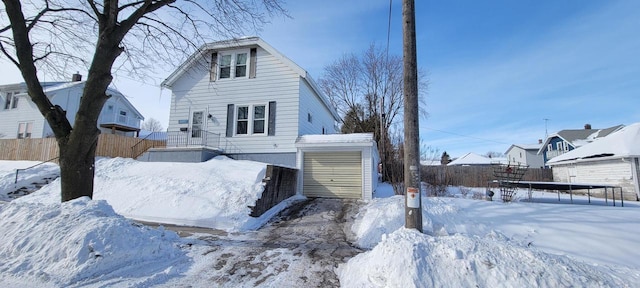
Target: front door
195, 136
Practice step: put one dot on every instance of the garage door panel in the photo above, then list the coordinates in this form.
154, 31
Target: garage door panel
332, 191
333, 174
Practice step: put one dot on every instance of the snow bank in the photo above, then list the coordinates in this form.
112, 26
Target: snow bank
25, 178
214, 194
82, 242
407, 258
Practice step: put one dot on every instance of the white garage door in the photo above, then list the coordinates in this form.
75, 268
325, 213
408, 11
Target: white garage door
333, 174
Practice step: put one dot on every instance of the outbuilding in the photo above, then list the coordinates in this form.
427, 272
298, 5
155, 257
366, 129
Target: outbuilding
337, 166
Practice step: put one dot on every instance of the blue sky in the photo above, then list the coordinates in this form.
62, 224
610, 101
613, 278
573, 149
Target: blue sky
496, 68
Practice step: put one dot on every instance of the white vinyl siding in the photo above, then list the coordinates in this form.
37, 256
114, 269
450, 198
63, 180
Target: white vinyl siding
26, 111
315, 117
333, 174
274, 81
614, 172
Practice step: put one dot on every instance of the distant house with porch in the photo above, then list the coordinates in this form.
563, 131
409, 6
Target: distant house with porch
22, 119
612, 159
564, 141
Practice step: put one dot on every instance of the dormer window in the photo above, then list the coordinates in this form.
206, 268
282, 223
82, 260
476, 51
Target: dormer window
233, 65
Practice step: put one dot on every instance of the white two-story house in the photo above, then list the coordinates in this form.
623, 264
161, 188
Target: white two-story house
245, 98
20, 117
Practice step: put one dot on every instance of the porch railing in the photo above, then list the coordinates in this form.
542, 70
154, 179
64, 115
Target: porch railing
193, 138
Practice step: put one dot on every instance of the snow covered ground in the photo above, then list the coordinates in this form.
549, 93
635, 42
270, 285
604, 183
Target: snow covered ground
87, 243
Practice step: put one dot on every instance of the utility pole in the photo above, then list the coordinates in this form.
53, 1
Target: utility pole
413, 199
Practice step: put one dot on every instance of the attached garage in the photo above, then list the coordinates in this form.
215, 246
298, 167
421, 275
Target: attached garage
337, 166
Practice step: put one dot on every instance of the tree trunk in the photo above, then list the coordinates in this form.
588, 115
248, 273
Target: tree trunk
77, 164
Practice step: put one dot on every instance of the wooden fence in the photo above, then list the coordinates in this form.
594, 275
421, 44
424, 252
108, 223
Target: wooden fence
474, 176
43, 149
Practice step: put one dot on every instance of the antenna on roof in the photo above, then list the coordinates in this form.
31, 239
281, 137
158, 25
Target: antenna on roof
546, 133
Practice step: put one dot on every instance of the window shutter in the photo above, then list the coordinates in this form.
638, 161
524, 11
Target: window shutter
272, 118
230, 120
213, 75
252, 63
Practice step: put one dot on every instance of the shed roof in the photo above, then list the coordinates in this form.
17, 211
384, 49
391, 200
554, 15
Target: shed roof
353, 138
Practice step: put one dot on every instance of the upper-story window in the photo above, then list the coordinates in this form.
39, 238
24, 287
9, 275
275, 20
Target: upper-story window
233, 64
10, 101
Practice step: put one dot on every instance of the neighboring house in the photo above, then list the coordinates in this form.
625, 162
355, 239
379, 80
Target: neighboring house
566, 140
473, 159
613, 159
249, 98
22, 119
525, 154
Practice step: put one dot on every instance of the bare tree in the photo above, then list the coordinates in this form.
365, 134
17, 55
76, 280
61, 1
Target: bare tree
368, 89
152, 125
59, 36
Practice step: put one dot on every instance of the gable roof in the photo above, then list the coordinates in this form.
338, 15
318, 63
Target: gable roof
51, 88
247, 42
619, 144
579, 137
526, 147
475, 159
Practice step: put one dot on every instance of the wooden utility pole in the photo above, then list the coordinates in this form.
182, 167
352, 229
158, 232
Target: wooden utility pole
413, 201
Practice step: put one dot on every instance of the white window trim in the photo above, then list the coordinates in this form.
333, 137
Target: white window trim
12, 96
28, 129
250, 119
234, 57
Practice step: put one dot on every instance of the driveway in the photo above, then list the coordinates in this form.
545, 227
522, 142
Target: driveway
301, 247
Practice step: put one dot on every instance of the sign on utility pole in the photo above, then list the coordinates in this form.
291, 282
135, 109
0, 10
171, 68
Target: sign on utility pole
413, 203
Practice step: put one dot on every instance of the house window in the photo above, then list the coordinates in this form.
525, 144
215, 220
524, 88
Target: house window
559, 146
196, 124
565, 146
309, 118
549, 147
225, 66
251, 119
233, 65
10, 101
241, 64
122, 118
24, 130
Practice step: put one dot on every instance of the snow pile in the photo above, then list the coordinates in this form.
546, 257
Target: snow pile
214, 194
25, 178
407, 258
82, 242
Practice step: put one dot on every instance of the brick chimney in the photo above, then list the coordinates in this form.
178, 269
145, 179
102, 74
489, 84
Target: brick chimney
587, 126
76, 77
539, 141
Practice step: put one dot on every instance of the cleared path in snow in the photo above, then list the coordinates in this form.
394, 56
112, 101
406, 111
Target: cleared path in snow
301, 247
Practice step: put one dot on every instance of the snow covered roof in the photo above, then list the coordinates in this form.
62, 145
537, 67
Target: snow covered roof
579, 137
475, 159
530, 147
622, 143
355, 139
431, 162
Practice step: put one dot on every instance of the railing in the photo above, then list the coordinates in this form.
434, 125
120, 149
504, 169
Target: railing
193, 138
152, 140
23, 169
121, 119
554, 153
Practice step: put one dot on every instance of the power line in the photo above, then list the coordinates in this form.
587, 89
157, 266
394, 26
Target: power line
466, 136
